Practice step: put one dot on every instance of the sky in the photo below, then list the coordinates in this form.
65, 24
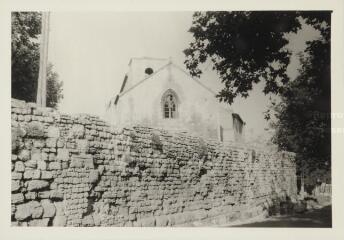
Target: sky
91, 50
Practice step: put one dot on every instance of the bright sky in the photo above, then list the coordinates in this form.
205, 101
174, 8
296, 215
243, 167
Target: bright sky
90, 52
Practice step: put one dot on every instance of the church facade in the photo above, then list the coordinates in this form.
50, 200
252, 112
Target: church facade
158, 93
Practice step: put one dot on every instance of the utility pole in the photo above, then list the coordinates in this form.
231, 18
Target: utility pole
43, 59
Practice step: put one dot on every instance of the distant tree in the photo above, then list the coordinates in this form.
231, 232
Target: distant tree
26, 28
248, 47
54, 87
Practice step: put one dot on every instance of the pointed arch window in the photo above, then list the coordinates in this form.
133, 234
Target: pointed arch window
170, 104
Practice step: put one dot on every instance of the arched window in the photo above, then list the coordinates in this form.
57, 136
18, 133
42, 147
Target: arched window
169, 104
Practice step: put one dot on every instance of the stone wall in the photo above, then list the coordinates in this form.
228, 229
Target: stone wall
79, 171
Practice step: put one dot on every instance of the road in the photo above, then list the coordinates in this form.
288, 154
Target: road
318, 218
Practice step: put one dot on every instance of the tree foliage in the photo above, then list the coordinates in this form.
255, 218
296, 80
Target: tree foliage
244, 47
248, 47
26, 29
303, 122
54, 88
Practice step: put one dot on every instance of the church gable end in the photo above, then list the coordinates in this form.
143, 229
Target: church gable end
158, 93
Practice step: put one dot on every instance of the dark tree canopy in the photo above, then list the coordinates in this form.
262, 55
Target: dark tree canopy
244, 47
248, 47
26, 28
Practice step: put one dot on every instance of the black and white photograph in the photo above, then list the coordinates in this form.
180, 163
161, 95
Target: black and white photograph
216, 119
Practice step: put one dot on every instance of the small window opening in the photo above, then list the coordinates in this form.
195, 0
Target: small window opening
149, 71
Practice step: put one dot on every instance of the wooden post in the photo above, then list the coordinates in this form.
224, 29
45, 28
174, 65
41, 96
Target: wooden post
43, 59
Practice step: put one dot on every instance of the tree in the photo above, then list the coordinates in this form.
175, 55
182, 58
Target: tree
303, 123
248, 47
244, 47
26, 28
54, 88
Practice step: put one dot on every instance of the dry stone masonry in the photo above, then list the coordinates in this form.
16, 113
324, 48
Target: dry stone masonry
79, 171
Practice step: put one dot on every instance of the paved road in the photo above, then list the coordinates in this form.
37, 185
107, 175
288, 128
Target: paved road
319, 218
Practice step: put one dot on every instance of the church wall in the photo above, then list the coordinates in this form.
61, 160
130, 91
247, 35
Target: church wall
198, 110
79, 171
137, 69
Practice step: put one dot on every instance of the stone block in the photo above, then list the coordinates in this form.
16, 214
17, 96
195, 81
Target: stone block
24, 155
16, 176
43, 194
31, 164
35, 129
56, 195
41, 165
62, 154
128, 224
82, 144
96, 220
55, 166
59, 206
132, 217
148, 222
14, 224
31, 196
46, 175
88, 221
38, 143
137, 223
77, 131
51, 142
88, 163
13, 210
124, 211
17, 198
64, 165
15, 104
31, 209
45, 156
15, 185
200, 214
53, 132
93, 176
27, 118
35, 185
37, 156
49, 209
85, 161
39, 222
76, 162
171, 220
54, 185
32, 174
37, 212
14, 157
101, 169
161, 221
59, 221
19, 166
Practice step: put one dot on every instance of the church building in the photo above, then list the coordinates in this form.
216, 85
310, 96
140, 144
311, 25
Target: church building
158, 93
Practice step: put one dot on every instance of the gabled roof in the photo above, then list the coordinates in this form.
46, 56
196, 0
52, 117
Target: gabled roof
170, 63
150, 58
156, 72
